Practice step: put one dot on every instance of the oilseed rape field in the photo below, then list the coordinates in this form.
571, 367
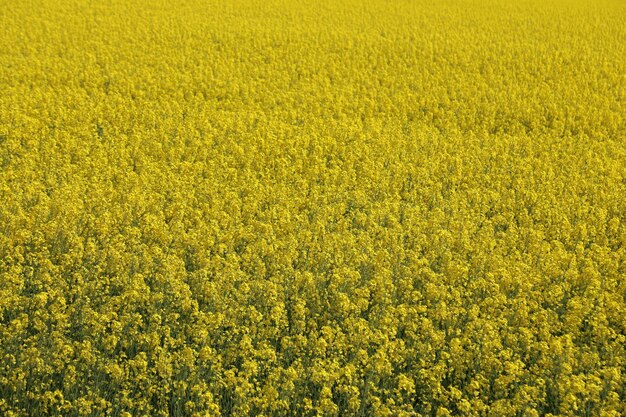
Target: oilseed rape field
312, 208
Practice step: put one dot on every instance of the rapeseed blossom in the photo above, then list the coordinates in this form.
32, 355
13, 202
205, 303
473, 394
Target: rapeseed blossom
329, 208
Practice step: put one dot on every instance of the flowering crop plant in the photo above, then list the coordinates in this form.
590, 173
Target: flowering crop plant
312, 208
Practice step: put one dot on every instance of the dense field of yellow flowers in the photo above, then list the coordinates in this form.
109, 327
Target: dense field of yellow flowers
312, 208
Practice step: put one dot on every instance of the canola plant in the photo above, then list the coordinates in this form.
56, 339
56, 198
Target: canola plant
312, 208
